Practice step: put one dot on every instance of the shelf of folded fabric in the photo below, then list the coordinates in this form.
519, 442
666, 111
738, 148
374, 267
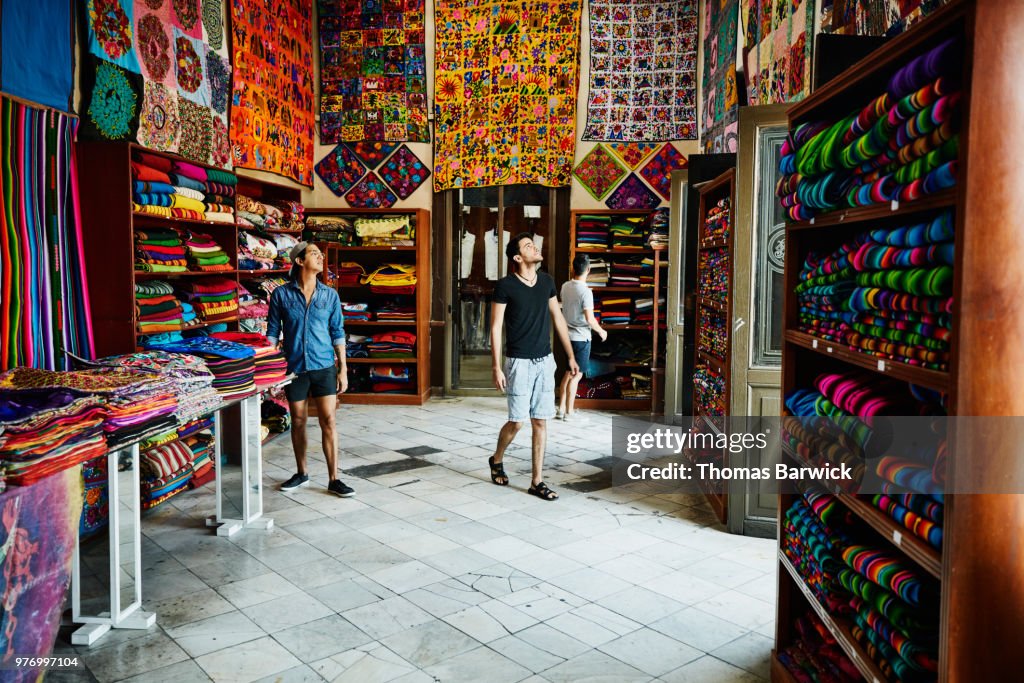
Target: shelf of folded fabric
617, 250
838, 627
383, 361
188, 273
933, 379
381, 247
917, 549
645, 328
875, 212
197, 326
779, 673
187, 221
711, 358
275, 271
380, 323
711, 303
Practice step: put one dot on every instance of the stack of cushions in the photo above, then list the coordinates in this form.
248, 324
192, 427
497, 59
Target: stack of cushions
814, 655
713, 281
391, 231
358, 312
256, 253
716, 223
350, 273
658, 223
708, 391
396, 312
156, 308
627, 273
205, 254
332, 229
215, 299
159, 250
616, 310
599, 273
886, 293
232, 365
43, 431
218, 195
391, 378
270, 364
392, 345
392, 278
627, 232
900, 146
592, 231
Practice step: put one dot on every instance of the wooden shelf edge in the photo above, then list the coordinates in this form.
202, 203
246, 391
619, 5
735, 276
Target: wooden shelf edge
711, 303
364, 398
716, 244
189, 221
612, 252
839, 629
933, 379
713, 359
945, 198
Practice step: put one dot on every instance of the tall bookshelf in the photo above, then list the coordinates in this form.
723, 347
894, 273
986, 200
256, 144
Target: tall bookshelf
712, 358
652, 332
108, 225
979, 569
371, 257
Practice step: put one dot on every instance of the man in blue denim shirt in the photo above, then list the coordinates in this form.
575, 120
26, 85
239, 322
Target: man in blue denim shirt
309, 315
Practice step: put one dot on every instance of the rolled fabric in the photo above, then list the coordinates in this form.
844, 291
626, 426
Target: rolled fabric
152, 187
153, 161
188, 192
148, 199
182, 202
944, 59
890, 572
181, 180
939, 229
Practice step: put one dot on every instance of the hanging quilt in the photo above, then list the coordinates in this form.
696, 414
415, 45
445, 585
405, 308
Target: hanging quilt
633, 194
111, 101
213, 22
110, 33
404, 172
154, 40
35, 55
190, 69
658, 171
505, 92
370, 193
272, 88
159, 124
187, 16
373, 71
777, 54
598, 172
340, 170
633, 153
721, 100
643, 63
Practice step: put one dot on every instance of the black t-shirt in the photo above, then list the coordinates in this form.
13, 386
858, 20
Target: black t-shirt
527, 319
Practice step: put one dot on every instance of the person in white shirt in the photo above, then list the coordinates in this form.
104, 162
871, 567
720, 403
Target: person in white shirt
578, 309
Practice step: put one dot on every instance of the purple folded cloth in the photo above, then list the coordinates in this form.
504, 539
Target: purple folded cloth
942, 60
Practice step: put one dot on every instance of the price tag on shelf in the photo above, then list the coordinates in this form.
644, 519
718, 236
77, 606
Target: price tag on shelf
895, 205
814, 343
812, 220
829, 349
897, 538
881, 366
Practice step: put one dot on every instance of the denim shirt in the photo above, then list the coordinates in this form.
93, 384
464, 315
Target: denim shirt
310, 333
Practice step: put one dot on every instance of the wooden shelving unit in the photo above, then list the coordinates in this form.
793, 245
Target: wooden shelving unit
371, 257
656, 367
980, 568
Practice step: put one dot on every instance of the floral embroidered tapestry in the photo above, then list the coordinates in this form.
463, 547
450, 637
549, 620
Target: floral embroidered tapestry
718, 85
777, 53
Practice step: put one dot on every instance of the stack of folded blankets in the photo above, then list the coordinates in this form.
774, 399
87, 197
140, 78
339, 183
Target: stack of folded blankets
202, 446
270, 364
396, 312
187, 376
293, 216
232, 365
391, 378
392, 278
159, 250
647, 272
393, 231
599, 273
717, 222
257, 214
356, 346
627, 232
165, 472
252, 311
168, 188
623, 349
219, 195
658, 223
274, 415
205, 254
392, 345
256, 253
47, 430
627, 273
350, 273
644, 311
332, 229
284, 244
215, 299
358, 312
616, 310
592, 231
156, 308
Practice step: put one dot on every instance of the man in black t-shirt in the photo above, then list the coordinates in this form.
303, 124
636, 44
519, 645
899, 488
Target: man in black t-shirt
526, 298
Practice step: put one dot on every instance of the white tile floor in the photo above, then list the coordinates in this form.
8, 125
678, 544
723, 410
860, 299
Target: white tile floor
435, 574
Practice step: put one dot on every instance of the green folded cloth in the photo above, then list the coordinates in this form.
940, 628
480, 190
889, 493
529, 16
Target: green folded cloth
213, 175
211, 260
207, 299
158, 268
159, 243
153, 288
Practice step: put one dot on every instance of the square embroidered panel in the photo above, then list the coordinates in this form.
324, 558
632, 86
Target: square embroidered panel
505, 93
272, 90
372, 153
633, 153
658, 171
643, 62
777, 53
598, 172
340, 170
633, 194
721, 101
370, 193
373, 71
404, 172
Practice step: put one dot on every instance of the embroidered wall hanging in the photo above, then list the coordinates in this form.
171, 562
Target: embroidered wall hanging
777, 54
658, 171
159, 124
643, 63
190, 68
633, 153
874, 17
404, 172
36, 55
213, 22
633, 194
372, 153
505, 92
110, 32
721, 101
373, 71
598, 172
272, 89
340, 170
111, 101
370, 193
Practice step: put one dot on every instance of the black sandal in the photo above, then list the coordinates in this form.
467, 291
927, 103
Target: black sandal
497, 472
541, 490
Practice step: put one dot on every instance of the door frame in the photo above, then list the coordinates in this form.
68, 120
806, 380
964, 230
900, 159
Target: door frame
675, 328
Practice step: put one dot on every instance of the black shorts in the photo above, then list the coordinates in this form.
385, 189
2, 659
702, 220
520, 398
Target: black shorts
315, 383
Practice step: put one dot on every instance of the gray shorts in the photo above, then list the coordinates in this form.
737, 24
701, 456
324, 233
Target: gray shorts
531, 388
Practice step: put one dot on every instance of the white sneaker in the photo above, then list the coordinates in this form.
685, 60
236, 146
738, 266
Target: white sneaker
559, 415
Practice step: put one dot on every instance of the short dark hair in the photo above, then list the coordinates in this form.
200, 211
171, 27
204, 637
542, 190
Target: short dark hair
580, 264
512, 250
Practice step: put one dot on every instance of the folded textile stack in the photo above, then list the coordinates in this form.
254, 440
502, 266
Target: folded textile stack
44, 431
293, 216
152, 186
215, 299
232, 365
350, 273
205, 254
393, 231
358, 312
599, 273
623, 349
256, 253
356, 346
156, 308
627, 232
203, 451
189, 183
392, 345
627, 272
647, 272
252, 312
274, 415
640, 388
254, 213
717, 222
284, 244
165, 472
332, 229
218, 195
159, 250
658, 223
713, 281
815, 655
644, 311
592, 231
392, 278
616, 310
397, 312
270, 364
900, 146
391, 378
